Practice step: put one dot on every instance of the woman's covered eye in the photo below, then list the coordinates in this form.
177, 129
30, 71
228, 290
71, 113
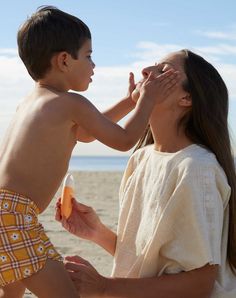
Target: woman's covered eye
165, 68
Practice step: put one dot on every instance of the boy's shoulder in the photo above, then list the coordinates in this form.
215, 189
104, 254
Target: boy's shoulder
72, 97
52, 102
62, 99
69, 96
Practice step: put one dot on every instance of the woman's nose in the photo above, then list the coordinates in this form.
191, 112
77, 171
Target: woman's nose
146, 72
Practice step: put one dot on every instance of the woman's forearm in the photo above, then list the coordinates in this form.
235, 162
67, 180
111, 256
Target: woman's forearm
106, 238
195, 284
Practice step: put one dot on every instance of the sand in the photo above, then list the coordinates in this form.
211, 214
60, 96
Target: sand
99, 190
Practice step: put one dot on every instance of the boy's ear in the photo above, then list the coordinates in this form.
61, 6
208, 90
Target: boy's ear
62, 60
185, 101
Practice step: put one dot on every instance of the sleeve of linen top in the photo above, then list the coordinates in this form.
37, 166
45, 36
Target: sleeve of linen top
127, 173
136, 158
193, 218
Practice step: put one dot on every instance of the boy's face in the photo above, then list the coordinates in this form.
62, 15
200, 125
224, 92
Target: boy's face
81, 68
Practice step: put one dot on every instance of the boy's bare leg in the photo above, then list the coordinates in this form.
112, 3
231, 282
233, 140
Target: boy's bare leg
51, 282
14, 290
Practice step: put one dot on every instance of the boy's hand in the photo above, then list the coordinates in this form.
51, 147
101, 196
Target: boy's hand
83, 221
132, 86
158, 88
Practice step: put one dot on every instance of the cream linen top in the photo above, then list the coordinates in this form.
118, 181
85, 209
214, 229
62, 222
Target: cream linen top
173, 216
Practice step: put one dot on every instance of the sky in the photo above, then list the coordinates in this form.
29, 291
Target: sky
126, 36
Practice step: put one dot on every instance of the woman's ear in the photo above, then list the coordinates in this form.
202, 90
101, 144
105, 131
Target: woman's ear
185, 101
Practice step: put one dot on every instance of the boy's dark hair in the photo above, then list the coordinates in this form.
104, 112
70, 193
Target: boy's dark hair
49, 31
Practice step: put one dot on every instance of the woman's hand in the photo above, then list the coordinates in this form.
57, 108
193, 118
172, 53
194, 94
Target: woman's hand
83, 221
88, 282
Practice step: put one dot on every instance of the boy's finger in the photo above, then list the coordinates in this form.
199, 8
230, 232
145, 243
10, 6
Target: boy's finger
171, 81
171, 73
131, 78
150, 77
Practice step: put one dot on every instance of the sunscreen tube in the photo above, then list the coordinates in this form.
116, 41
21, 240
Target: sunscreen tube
67, 194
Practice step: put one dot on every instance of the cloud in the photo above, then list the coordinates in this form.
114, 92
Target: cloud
220, 49
150, 52
220, 35
15, 84
8, 51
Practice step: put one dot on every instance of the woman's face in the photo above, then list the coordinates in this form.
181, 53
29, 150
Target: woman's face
174, 61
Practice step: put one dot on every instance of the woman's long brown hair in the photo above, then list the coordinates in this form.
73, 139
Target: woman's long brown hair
207, 125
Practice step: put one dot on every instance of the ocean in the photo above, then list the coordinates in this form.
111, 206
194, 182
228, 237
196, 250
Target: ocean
98, 163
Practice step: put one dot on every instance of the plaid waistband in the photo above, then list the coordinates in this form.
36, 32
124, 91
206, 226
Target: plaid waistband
14, 202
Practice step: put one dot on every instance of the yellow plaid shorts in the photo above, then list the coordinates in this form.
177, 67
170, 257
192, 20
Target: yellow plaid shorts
24, 245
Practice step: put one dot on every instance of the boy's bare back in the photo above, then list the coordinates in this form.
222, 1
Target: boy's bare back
38, 146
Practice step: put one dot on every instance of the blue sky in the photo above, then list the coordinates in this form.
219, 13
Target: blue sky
127, 35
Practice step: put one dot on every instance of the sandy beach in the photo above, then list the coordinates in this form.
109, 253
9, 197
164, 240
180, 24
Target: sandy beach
99, 190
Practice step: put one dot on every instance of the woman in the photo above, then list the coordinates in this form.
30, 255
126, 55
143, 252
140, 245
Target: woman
177, 225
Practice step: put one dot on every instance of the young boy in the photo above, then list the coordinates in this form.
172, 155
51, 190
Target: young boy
56, 50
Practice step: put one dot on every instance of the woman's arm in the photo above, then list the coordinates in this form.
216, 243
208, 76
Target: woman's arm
196, 283
85, 223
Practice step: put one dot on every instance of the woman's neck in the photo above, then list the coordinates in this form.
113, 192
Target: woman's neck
168, 138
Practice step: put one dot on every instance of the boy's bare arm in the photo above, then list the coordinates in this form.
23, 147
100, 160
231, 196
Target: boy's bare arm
111, 134
115, 114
